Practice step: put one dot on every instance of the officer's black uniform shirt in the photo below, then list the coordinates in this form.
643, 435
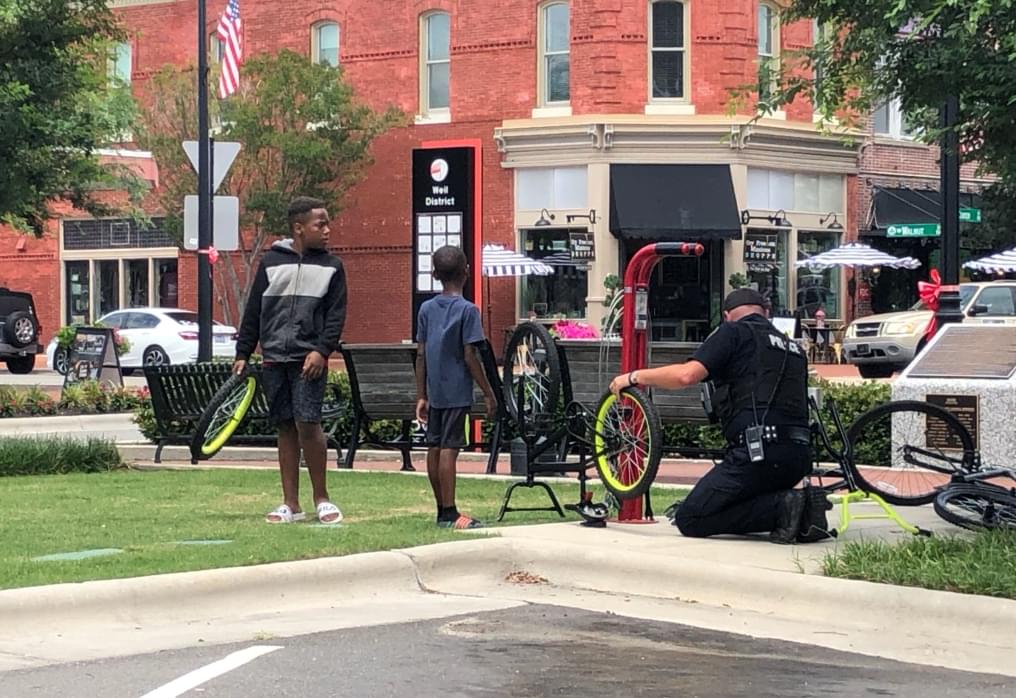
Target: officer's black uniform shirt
729, 355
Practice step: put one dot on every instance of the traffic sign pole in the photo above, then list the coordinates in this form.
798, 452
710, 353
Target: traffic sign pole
204, 195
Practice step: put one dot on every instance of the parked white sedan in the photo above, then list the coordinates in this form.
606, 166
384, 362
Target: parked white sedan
157, 336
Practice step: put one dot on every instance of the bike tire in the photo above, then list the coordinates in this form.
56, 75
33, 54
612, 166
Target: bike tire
914, 485
544, 374
224, 414
977, 506
627, 472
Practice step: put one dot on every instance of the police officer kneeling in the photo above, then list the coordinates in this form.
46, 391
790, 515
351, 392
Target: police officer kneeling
761, 400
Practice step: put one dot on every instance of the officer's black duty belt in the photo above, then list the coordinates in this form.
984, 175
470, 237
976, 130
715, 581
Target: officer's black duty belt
782, 435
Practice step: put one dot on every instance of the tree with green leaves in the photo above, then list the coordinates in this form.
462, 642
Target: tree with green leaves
302, 131
58, 107
917, 51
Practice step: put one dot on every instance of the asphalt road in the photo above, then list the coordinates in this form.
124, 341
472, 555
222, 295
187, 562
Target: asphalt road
518, 653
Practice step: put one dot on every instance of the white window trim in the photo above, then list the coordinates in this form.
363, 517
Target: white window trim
776, 54
895, 133
315, 41
542, 54
685, 50
427, 115
216, 48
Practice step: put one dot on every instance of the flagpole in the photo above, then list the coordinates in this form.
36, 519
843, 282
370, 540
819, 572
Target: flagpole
204, 195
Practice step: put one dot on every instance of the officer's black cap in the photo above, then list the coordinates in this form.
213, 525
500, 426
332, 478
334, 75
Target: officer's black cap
742, 296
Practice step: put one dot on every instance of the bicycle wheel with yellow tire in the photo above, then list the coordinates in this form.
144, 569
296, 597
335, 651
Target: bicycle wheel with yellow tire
627, 443
224, 414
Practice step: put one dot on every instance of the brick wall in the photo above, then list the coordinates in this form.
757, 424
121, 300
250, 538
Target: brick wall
30, 264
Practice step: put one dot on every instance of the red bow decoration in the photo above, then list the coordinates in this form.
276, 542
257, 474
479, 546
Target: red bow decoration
929, 292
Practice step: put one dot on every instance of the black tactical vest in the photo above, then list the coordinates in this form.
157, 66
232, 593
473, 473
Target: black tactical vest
774, 354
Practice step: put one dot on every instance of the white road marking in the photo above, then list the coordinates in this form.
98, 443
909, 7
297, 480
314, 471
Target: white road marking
179, 686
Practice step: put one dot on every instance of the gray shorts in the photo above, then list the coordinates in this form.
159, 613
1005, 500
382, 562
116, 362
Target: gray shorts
291, 397
446, 427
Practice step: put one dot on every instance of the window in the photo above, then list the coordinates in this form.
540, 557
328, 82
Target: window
820, 33
555, 29
324, 43
770, 278
166, 283
108, 272
772, 190
436, 68
998, 301
817, 289
120, 64
561, 294
890, 121
768, 49
667, 49
551, 188
79, 308
216, 48
135, 283
141, 321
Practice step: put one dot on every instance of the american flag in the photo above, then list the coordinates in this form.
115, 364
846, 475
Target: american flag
232, 49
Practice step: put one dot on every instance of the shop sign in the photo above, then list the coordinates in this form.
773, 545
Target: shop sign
581, 246
760, 249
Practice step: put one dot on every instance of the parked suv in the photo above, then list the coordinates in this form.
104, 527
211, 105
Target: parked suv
880, 345
19, 331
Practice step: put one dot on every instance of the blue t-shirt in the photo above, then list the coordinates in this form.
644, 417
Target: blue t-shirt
445, 325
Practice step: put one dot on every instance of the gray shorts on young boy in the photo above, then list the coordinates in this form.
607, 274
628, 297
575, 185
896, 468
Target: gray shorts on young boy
446, 428
290, 396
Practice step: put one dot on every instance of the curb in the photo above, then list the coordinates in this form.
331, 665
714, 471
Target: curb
76, 422
932, 627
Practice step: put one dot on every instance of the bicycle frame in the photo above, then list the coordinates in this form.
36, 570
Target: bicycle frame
844, 458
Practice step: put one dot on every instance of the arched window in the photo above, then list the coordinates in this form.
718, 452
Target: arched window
435, 62
668, 48
324, 43
554, 47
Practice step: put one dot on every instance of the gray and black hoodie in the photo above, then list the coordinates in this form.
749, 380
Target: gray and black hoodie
297, 305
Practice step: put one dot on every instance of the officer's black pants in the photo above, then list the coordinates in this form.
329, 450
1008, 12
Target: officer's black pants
738, 496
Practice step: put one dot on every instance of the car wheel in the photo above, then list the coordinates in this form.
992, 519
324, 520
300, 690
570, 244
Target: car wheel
21, 364
126, 372
20, 329
155, 356
876, 370
61, 361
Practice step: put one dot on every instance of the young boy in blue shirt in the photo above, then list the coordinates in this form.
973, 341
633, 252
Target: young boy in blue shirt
448, 330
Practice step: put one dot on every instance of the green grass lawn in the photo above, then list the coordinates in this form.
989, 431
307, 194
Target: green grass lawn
148, 514
981, 564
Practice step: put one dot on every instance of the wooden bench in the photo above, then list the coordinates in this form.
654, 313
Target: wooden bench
181, 392
382, 383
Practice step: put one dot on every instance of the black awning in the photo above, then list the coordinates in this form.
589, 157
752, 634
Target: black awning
902, 205
673, 202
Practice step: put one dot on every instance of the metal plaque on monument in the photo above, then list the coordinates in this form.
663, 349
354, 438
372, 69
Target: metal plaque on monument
970, 371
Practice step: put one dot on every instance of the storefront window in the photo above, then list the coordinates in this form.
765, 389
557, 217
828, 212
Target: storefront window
78, 305
135, 290
108, 273
685, 294
166, 283
770, 278
561, 294
817, 289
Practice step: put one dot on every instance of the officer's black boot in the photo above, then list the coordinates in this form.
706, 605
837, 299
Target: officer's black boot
815, 525
789, 512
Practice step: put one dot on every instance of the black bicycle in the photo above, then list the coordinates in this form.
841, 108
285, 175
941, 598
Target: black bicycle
621, 437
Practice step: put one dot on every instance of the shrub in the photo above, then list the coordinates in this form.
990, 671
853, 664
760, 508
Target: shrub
48, 456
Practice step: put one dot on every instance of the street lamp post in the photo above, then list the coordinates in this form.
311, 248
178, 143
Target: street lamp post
949, 299
204, 196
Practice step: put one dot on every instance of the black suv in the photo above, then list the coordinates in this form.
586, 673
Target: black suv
19, 331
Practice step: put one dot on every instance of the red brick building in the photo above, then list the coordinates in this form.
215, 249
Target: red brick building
598, 119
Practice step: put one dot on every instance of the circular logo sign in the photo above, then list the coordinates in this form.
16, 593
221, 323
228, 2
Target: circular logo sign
438, 170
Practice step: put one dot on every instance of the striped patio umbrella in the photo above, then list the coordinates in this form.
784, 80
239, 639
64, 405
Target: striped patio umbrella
500, 262
1000, 262
856, 254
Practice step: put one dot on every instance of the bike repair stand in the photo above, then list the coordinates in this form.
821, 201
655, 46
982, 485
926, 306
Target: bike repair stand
635, 336
845, 500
